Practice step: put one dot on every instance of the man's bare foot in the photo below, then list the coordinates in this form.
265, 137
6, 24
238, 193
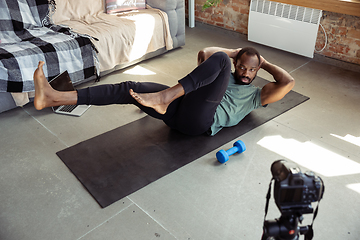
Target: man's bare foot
159, 101
41, 87
153, 100
45, 95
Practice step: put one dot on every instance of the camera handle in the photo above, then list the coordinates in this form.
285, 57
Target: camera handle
295, 219
309, 233
268, 196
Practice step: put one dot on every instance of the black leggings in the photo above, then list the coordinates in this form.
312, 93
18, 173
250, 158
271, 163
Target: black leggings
192, 114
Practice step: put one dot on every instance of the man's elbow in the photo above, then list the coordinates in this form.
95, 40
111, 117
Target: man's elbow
287, 81
291, 82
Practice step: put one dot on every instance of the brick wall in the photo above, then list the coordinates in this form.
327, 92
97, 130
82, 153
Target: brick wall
343, 37
343, 31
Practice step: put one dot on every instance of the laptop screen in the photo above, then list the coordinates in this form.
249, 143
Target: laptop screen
62, 82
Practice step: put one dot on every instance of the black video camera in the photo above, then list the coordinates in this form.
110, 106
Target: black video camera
294, 192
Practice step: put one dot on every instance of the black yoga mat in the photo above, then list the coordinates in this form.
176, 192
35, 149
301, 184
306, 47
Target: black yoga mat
122, 161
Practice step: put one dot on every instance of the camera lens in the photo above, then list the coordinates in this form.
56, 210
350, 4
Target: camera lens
279, 170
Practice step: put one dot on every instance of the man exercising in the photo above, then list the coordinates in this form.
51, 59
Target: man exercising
204, 101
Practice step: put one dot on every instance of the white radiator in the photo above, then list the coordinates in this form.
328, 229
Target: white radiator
283, 26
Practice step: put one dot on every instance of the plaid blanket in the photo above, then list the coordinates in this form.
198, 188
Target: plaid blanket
28, 36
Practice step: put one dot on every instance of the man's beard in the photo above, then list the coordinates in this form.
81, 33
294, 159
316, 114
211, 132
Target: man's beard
238, 79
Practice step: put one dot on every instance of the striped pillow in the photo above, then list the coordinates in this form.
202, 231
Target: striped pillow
115, 6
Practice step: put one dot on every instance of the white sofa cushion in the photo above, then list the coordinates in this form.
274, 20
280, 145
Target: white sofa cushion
123, 37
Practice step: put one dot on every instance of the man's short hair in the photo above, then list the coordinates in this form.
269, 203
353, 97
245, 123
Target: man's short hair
250, 51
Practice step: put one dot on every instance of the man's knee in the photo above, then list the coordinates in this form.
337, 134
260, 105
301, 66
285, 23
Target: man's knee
201, 57
221, 55
222, 58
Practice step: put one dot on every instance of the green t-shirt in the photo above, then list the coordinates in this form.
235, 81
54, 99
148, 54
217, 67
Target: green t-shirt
238, 101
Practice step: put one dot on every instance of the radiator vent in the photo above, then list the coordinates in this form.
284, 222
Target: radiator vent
284, 26
282, 10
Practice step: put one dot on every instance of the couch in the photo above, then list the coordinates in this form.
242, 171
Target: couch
117, 40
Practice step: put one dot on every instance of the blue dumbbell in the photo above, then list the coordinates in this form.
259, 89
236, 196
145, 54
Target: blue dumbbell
223, 156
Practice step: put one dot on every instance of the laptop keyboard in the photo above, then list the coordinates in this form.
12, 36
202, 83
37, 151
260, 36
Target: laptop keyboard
68, 108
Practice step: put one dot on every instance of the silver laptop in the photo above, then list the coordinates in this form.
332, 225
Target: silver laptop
62, 82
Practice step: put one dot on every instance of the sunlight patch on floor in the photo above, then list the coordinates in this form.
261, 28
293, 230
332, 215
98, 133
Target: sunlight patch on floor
138, 70
349, 138
311, 156
354, 186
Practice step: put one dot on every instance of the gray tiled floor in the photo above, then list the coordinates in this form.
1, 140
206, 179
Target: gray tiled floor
41, 199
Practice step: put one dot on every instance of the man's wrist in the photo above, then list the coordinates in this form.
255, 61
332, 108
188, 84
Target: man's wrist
235, 52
